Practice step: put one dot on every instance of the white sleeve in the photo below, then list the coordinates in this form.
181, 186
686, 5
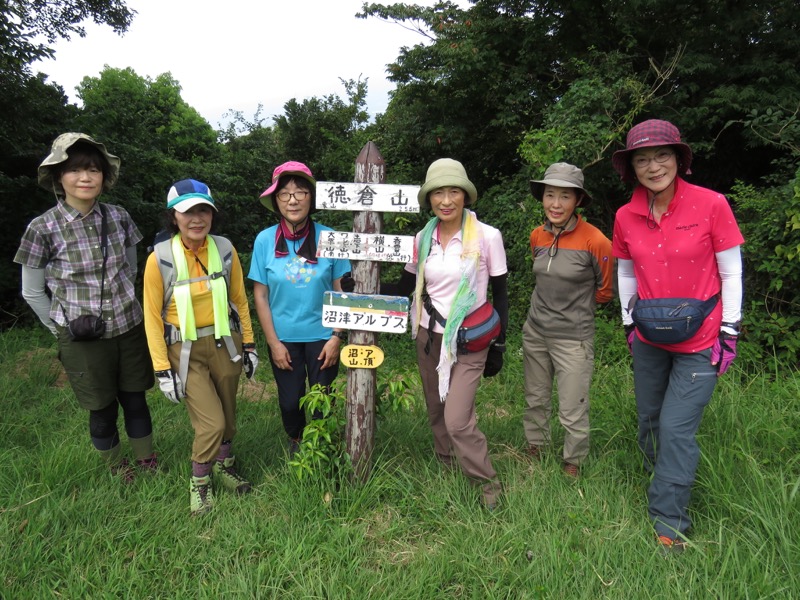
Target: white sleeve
627, 287
130, 253
33, 290
729, 263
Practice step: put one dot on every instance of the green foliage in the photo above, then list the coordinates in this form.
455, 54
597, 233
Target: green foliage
396, 393
510, 207
159, 138
23, 23
769, 219
322, 451
472, 91
326, 133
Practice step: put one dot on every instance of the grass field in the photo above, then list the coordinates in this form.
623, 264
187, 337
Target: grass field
415, 531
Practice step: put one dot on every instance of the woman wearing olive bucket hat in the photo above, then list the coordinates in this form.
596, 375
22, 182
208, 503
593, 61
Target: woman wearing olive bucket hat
83, 252
458, 256
290, 281
573, 267
678, 244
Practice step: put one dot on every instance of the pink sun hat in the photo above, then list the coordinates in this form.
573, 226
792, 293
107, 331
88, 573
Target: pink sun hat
288, 168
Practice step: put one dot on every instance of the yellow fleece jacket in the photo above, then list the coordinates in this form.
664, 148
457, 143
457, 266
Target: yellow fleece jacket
201, 302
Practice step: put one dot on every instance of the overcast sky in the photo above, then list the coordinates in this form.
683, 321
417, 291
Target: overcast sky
235, 54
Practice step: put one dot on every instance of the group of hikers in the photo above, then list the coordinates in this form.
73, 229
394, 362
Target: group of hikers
675, 250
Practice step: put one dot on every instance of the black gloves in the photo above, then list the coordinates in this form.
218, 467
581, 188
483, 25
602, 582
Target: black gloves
494, 360
348, 283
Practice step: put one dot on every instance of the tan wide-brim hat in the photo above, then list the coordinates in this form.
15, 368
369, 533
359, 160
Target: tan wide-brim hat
446, 172
562, 175
59, 152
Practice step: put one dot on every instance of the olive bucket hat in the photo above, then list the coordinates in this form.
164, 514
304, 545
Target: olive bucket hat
446, 172
291, 167
59, 152
562, 175
648, 134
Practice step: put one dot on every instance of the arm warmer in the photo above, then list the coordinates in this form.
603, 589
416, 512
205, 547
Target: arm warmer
729, 263
130, 254
33, 290
500, 302
626, 283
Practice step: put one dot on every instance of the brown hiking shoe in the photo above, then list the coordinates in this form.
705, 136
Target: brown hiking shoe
571, 470
535, 452
149, 464
491, 495
124, 471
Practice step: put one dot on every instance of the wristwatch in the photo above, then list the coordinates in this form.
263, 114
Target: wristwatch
342, 335
732, 327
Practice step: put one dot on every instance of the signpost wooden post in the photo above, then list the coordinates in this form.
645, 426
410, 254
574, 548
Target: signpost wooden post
361, 383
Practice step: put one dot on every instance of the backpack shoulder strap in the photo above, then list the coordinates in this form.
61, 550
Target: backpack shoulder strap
166, 267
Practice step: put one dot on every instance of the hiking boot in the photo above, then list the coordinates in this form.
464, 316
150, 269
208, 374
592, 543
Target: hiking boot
124, 471
149, 464
571, 470
534, 452
670, 545
231, 480
201, 498
491, 495
293, 447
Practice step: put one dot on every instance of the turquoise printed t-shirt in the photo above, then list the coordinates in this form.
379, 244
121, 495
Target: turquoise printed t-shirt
296, 287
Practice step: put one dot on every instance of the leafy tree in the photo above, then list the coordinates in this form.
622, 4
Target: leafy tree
473, 90
326, 133
24, 22
32, 111
158, 136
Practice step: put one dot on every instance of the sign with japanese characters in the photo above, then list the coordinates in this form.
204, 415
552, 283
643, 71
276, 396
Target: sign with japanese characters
381, 197
365, 312
366, 246
361, 357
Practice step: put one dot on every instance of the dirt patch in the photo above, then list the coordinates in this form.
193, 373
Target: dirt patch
38, 362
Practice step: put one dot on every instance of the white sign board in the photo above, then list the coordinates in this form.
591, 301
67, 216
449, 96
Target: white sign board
365, 312
381, 197
366, 246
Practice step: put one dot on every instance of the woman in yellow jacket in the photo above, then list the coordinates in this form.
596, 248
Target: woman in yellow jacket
196, 319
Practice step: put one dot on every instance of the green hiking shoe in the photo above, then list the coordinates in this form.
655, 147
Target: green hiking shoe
201, 498
231, 480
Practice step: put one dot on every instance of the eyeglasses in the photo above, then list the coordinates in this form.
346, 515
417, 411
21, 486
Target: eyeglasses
662, 156
299, 195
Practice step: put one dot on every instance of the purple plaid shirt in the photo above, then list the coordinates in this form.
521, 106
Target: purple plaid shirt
67, 246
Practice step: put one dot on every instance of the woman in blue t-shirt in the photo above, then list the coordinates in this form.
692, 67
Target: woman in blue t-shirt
289, 285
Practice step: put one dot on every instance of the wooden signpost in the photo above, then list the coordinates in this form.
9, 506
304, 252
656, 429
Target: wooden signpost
365, 313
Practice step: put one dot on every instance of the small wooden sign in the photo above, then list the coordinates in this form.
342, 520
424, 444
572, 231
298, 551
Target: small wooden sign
374, 197
366, 312
361, 357
366, 246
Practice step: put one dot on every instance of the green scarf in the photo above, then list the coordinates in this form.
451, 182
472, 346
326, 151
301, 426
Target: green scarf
465, 298
182, 292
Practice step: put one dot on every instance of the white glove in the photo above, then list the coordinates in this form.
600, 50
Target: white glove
250, 360
171, 385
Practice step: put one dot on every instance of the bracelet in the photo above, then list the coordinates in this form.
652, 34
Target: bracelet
166, 373
342, 335
248, 346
